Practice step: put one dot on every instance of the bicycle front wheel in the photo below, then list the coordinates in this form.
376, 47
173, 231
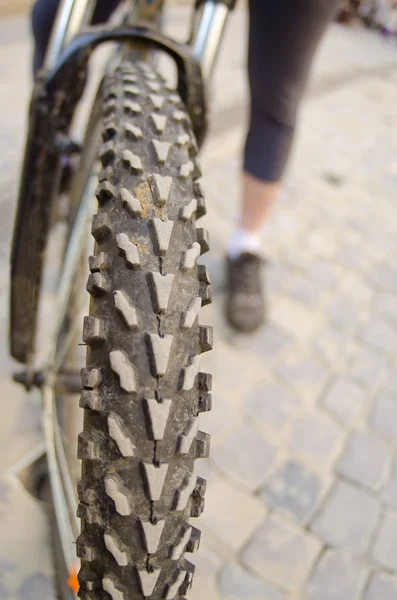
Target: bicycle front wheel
142, 386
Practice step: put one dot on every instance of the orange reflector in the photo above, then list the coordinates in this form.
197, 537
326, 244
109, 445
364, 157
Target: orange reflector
73, 582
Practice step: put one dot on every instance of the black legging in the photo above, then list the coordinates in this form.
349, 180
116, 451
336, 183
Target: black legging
283, 38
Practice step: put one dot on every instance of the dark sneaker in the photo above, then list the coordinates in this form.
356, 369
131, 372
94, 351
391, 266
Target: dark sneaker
245, 305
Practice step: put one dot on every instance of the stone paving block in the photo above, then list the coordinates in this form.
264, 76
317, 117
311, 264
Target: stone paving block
337, 577
342, 313
386, 305
236, 371
367, 367
381, 587
390, 383
384, 276
24, 562
379, 336
384, 550
390, 491
298, 258
36, 586
208, 565
305, 290
322, 241
267, 343
331, 345
350, 257
232, 515
344, 399
272, 404
225, 415
353, 286
282, 552
23, 429
317, 437
292, 317
245, 456
236, 583
295, 489
278, 276
348, 518
383, 418
205, 469
365, 460
323, 271
303, 372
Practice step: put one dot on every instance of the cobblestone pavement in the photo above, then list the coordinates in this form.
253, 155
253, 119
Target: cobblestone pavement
302, 482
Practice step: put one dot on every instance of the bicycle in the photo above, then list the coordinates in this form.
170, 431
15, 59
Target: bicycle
141, 388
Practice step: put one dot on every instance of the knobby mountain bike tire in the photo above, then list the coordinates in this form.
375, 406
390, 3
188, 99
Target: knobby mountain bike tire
142, 387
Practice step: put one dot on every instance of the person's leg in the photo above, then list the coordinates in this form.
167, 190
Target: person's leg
283, 38
43, 16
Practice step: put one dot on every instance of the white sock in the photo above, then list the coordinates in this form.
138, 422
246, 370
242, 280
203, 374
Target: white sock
244, 241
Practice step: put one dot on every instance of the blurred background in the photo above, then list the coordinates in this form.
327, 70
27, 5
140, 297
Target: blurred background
302, 481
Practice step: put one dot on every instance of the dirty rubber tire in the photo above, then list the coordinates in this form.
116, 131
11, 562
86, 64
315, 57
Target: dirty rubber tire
142, 388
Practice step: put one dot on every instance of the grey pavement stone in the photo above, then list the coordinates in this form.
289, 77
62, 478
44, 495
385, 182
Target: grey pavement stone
6, 565
266, 343
29, 416
236, 583
303, 371
353, 286
22, 442
277, 277
384, 550
316, 436
366, 460
272, 404
384, 276
224, 416
379, 335
3, 494
331, 345
386, 304
232, 515
342, 313
367, 367
381, 587
383, 418
205, 583
305, 290
245, 456
390, 491
344, 399
292, 317
348, 518
282, 552
27, 566
390, 383
323, 271
36, 587
295, 489
336, 577
322, 242
236, 371
348, 256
